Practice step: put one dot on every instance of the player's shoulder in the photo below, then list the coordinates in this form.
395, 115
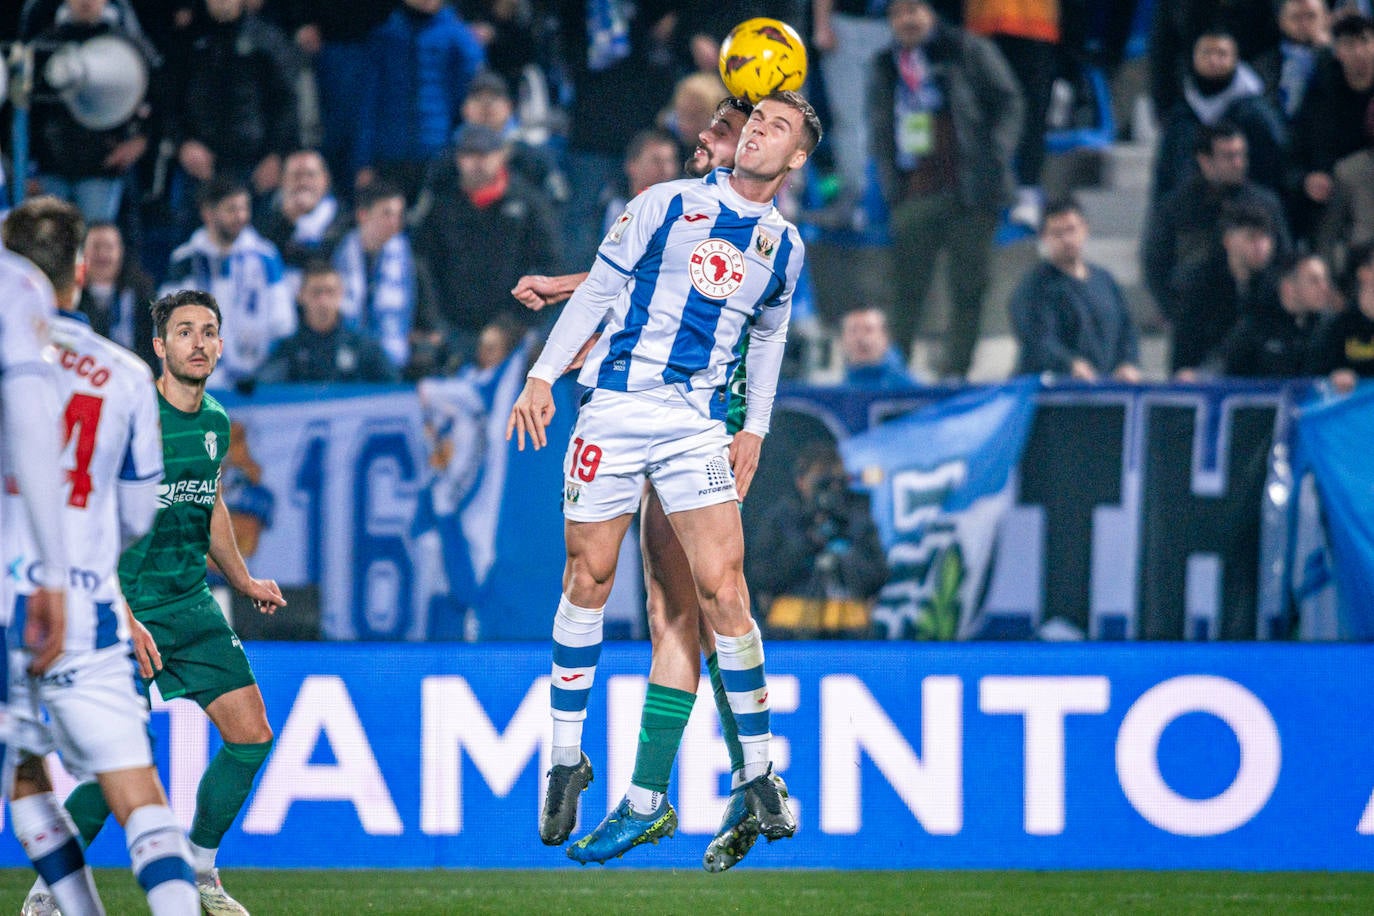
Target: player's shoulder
212, 410
120, 359
24, 283
659, 196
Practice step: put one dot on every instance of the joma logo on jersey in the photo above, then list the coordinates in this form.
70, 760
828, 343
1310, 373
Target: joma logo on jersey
716, 268
200, 492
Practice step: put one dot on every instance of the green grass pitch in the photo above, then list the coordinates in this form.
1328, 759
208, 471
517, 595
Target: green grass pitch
604, 891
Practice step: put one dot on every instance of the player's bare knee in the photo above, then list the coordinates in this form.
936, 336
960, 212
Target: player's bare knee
30, 777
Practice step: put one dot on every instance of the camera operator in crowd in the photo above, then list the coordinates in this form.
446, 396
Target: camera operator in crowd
816, 558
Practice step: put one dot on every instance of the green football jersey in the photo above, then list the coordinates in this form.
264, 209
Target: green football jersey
738, 388
166, 569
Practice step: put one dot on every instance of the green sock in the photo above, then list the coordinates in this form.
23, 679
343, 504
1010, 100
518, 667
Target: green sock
728, 730
223, 790
88, 809
660, 732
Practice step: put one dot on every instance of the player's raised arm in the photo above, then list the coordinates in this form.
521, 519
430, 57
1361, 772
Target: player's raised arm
535, 291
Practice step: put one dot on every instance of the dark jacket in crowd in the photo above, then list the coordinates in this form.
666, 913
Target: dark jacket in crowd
984, 102
1330, 125
1177, 24
1184, 229
1344, 341
235, 87
344, 21
1059, 318
124, 315
342, 355
1269, 342
418, 72
1212, 304
63, 147
278, 230
474, 256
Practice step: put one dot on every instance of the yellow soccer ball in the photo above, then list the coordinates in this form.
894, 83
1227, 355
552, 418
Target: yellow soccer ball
762, 56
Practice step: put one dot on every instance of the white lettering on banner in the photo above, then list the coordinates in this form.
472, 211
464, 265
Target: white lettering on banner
853, 723
1044, 702
1366, 825
702, 758
323, 708
453, 721
918, 495
1137, 755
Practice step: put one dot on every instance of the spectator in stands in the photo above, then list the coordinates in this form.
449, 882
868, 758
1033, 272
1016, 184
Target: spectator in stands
651, 157
1275, 338
375, 262
1216, 293
489, 102
1027, 33
1176, 25
115, 293
1344, 347
323, 349
485, 230
817, 556
1330, 124
1288, 69
420, 63
234, 111
1070, 316
944, 115
508, 33
244, 272
89, 168
333, 34
307, 221
622, 71
870, 360
1184, 228
1219, 87
1348, 218
693, 107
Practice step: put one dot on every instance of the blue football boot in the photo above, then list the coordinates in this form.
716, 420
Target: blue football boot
623, 830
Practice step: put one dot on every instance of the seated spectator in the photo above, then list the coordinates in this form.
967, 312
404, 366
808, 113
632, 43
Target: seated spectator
1215, 293
1348, 219
817, 556
377, 266
652, 157
306, 222
1344, 346
1330, 124
115, 293
1275, 339
323, 349
1183, 229
227, 258
485, 230
489, 102
89, 168
1070, 316
1288, 69
870, 359
420, 62
1219, 87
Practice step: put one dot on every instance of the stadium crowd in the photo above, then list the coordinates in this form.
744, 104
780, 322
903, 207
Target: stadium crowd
416, 158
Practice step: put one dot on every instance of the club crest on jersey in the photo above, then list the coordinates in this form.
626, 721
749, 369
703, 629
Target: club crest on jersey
211, 444
618, 227
716, 268
572, 493
765, 244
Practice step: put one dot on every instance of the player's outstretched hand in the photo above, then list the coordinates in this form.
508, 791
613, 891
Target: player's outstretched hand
265, 594
45, 628
532, 413
744, 459
145, 649
535, 291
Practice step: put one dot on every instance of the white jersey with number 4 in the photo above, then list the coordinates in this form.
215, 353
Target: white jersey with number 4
112, 438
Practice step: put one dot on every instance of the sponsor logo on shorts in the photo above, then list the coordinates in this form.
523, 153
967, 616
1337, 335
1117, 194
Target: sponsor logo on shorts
234, 641
716, 268
572, 492
718, 477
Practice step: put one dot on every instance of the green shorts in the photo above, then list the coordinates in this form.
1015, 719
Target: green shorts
202, 658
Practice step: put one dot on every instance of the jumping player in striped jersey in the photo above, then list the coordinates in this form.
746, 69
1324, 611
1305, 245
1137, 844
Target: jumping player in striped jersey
687, 272
676, 626
96, 717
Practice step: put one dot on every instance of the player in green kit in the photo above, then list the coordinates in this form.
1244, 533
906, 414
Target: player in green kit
163, 579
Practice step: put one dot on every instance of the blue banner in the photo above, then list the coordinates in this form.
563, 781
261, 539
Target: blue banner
897, 755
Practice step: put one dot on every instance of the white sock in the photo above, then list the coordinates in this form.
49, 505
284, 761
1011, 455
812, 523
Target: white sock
49, 839
642, 800
161, 858
737, 778
203, 859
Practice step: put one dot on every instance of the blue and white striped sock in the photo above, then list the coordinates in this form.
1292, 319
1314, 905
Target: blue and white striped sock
741, 670
161, 858
49, 839
576, 650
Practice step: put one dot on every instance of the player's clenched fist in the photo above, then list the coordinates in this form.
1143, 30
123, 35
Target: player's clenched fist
533, 411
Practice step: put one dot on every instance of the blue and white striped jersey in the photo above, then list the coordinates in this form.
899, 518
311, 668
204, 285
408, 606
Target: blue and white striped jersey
687, 271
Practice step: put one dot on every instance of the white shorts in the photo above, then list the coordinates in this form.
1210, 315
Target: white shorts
87, 708
622, 437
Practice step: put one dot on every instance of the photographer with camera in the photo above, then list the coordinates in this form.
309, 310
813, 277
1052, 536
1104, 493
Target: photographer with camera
816, 559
